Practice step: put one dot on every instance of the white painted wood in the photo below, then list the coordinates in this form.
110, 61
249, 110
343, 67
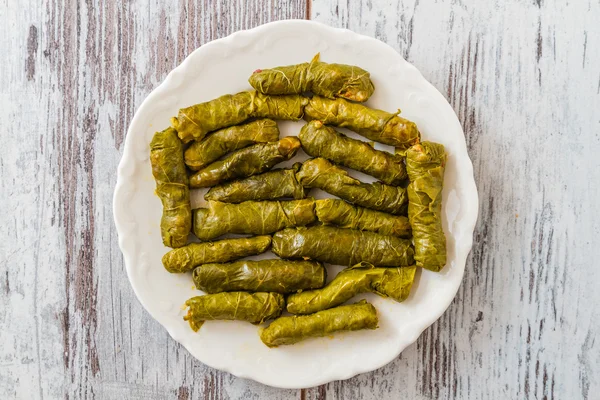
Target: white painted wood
524, 78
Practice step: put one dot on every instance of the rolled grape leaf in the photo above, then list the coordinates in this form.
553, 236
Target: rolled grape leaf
290, 330
275, 275
196, 121
380, 126
242, 306
425, 163
246, 162
217, 144
168, 168
320, 173
319, 140
339, 213
186, 258
251, 217
272, 185
342, 246
287, 107
362, 278
329, 80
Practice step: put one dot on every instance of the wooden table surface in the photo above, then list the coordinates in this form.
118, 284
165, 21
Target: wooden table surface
524, 79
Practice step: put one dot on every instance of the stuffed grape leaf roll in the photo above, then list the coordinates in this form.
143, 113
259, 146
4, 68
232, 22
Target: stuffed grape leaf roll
242, 306
251, 217
320, 173
246, 162
271, 185
342, 246
378, 125
168, 168
293, 329
344, 215
194, 122
361, 278
217, 144
425, 163
329, 80
319, 140
274, 275
186, 258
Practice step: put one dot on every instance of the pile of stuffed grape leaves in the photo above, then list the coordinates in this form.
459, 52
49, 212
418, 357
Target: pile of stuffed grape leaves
384, 231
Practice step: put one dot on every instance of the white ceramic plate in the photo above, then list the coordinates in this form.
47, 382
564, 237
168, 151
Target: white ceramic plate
223, 66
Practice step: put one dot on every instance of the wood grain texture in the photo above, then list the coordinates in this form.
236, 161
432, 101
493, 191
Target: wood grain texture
524, 79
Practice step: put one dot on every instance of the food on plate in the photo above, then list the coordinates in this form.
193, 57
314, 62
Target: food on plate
322, 174
342, 246
319, 140
293, 329
168, 168
242, 306
344, 215
251, 217
378, 125
194, 122
186, 258
425, 163
217, 144
246, 162
380, 231
361, 278
329, 80
273, 275
272, 185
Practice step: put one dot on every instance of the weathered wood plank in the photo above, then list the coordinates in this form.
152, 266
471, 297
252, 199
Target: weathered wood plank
76, 71
524, 79
524, 82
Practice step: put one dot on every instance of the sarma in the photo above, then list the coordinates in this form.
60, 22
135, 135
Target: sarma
329, 80
168, 168
425, 163
274, 275
319, 140
342, 246
362, 278
293, 329
196, 121
187, 258
242, 306
380, 126
272, 185
320, 173
217, 144
251, 217
339, 213
246, 162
